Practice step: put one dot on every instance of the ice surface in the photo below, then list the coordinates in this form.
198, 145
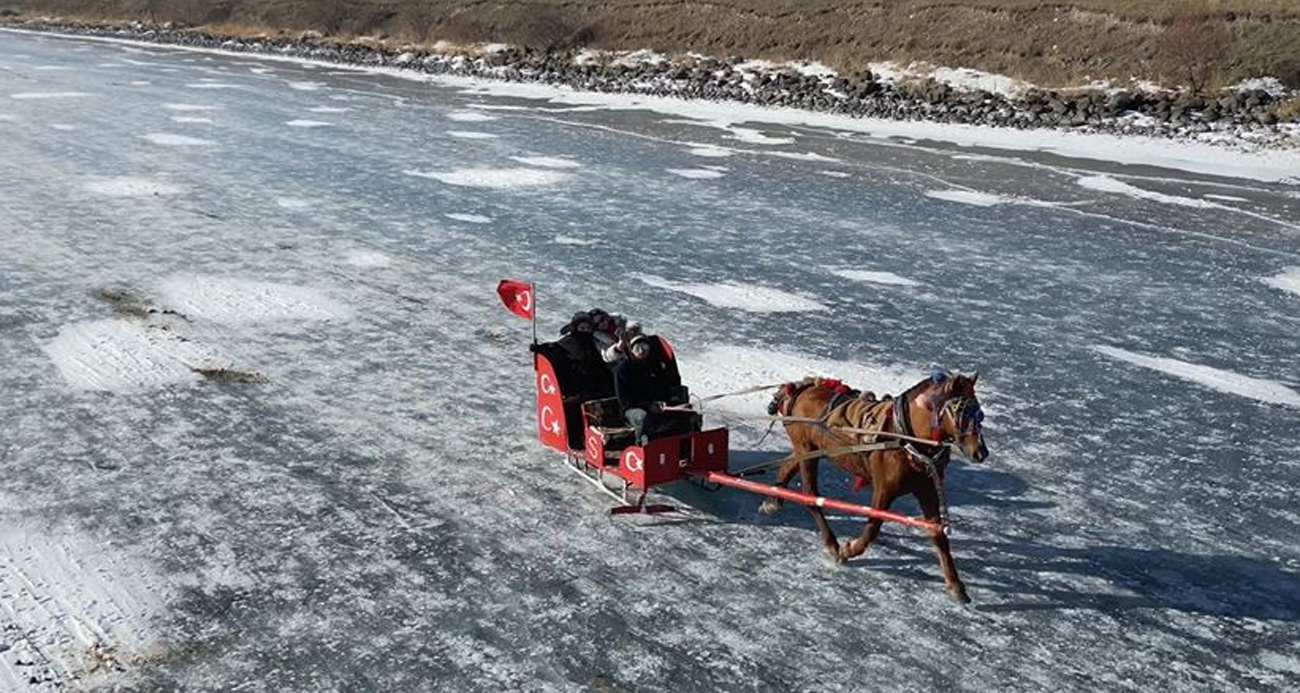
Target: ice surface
367, 258
748, 297
1214, 378
1110, 185
495, 178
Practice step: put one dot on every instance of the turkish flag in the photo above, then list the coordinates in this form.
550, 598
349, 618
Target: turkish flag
517, 296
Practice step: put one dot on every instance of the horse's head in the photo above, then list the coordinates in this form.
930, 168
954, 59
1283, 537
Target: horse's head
962, 418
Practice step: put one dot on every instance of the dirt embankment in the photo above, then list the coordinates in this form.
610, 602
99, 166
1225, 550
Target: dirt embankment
1055, 44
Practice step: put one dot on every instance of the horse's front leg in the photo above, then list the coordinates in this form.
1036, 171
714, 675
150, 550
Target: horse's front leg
784, 473
929, 501
880, 500
808, 470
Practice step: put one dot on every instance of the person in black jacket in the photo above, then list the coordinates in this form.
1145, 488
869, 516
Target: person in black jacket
643, 382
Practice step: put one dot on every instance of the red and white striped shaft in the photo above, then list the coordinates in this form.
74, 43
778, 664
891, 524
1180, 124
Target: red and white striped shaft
819, 501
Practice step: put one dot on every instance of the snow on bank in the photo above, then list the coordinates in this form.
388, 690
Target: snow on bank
131, 186
875, 277
730, 368
961, 79
1213, 378
752, 298
123, 356
494, 178
1287, 280
77, 611
1271, 165
235, 300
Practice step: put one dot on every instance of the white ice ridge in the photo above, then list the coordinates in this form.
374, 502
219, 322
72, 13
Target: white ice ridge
712, 152
1286, 280
117, 355
469, 218
236, 300
970, 197
189, 107
470, 117
752, 298
875, 277
494, 178
1213, 378
70, 601
547, 161
167, 139
572, 240
131, 186
49, 95
696, 173
471, 135
300, 123
328, 109
306, 86
730, 368
1110, 185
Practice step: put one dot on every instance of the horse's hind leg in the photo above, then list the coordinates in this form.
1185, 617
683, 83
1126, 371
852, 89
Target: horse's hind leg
784, 473
808, 470
929, 501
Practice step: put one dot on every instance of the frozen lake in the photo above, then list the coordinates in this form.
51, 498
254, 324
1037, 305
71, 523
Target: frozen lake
266, 427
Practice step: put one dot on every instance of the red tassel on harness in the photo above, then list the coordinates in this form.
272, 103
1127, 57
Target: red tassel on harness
858, 484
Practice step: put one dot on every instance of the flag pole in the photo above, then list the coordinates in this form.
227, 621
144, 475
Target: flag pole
532, 289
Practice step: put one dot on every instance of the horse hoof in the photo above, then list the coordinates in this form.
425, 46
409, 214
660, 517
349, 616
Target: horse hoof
837, 554
958, 595
770, 507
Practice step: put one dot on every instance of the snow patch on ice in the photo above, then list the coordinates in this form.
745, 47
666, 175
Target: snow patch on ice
299, 123
471, 135
696, 173
875, 277
367, 258
132, 186
1287, 280
189, 107
328, 109
730, 368
1110, 185
547, 161
752, 136
571, 240
117, 355
72, 606
969, 197
470, 117
747, 297
296, 203
236, 300
469, 218
211, 85
31, 95
712, 152
306, 86
1225, 198
1213, 378
190, 119
494, 178
63, 127
833, 174
1280, 662
169, 140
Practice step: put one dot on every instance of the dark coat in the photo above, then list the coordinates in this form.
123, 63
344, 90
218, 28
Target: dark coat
638, 383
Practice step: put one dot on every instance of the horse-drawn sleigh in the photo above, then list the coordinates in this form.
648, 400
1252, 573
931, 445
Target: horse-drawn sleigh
898, 446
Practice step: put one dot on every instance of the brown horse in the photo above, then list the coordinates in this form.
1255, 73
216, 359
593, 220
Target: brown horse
942, 409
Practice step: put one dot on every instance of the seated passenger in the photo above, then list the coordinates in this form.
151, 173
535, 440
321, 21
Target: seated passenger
643, 382
617, 351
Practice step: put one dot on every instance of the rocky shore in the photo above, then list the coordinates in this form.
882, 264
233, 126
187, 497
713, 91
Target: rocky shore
1255, 116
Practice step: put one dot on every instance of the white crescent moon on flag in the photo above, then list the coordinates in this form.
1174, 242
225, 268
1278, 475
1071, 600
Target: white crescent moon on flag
525, 299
